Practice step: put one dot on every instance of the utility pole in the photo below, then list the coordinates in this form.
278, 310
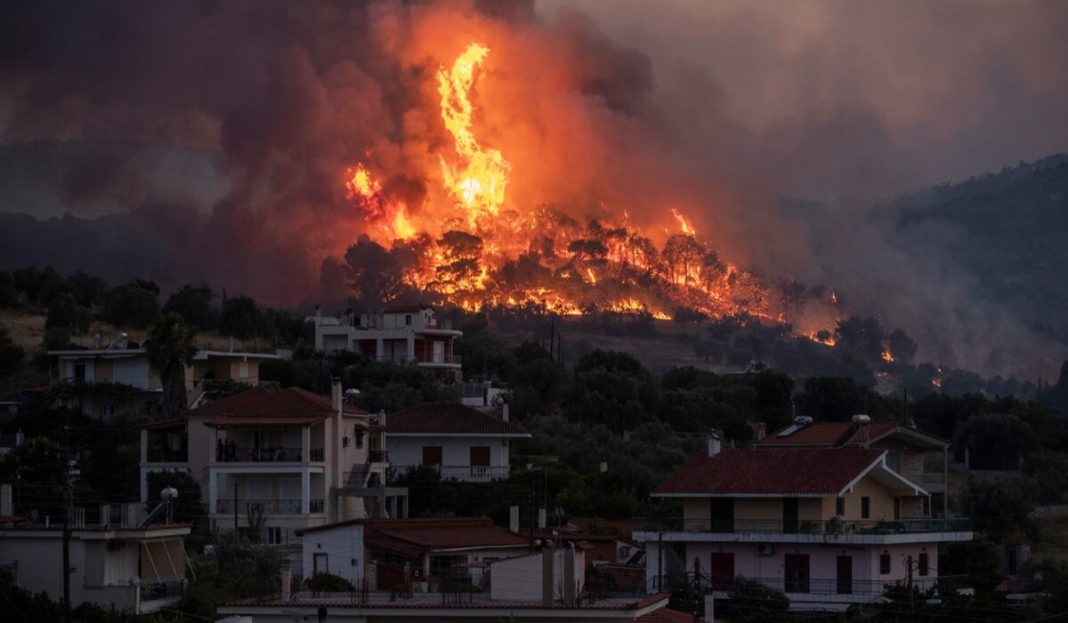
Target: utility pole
235, 506
68, 500
533, 503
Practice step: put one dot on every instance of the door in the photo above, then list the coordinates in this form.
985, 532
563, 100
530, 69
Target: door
319, 564
845, 575
722, 514
480, 461
439, 352
789, 515
721, 569
796, 573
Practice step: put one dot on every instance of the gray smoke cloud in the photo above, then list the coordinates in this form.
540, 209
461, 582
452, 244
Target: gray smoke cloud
207, 139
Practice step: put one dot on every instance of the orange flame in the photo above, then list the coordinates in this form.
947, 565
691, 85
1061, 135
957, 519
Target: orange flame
479, 181
888, 357
683, 225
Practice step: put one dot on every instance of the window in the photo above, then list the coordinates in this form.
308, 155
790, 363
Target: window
924, 564
274, 536
320, 564
407, 320
359, 438
884, 563
242, 370
431, 455
839, 507
79, 371
865, 507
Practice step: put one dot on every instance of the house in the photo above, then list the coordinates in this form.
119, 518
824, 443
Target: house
113, 561
400, 334
828, 526
459, 441
388, 552
274, 461
918, 456
120, 378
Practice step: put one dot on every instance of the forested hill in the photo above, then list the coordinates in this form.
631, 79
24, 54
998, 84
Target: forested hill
1008, 229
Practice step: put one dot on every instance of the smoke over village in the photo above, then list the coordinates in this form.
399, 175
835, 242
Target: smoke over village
674, 232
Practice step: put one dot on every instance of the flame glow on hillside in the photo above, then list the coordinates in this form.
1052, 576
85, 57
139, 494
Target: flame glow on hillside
482, 252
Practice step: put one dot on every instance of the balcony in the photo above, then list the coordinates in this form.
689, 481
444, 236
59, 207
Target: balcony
317, 455
464, 473
427, 360
162, 590
378, 456
849, 590
266, 507
239, 454
862, 532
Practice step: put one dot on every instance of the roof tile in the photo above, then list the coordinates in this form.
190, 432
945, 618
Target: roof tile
446, 418
769, 471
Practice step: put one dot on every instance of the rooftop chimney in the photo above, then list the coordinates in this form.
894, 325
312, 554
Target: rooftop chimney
336, 395
861, 421
287, 579
713, 443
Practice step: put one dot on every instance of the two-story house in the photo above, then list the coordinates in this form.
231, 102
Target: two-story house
828, 526
273, 461
921, 457
459, 441
400, 334
121, 378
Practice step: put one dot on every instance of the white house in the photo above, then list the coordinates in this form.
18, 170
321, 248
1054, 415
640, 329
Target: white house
134, 568
400, 334
273, 461
828, 526
461, 442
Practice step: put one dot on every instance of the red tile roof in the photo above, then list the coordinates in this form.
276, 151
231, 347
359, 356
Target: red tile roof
449, 418
665, 615
769, 472
837, 434
293, 405
412, 537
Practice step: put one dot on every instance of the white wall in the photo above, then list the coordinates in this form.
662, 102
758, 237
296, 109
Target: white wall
405, 451
520, 579
343, 546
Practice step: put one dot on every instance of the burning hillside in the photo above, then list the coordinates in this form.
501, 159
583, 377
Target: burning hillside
475, 248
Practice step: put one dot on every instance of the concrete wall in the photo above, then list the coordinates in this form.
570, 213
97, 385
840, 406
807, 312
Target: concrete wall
344, 550
405, 451
521, 578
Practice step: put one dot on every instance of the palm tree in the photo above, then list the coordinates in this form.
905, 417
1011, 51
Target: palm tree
170, 349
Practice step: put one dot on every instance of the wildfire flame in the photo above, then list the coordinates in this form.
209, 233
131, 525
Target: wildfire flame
479, 181
683, 225
475, 251
888, 357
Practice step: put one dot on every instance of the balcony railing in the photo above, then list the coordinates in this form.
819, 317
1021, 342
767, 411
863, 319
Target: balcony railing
267, 507
316, 506
865, 589
316, 454
239, 454
378, 456
166, 455
804, 526
151, 591
433, 359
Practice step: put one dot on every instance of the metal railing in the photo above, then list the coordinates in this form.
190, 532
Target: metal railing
244, 507
162, 590
240, 454
475, 473
865, 589
378, 456
316, 454
167, 455
438, 359
316, 506
805, 526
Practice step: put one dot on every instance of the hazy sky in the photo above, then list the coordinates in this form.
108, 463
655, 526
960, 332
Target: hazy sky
930, 91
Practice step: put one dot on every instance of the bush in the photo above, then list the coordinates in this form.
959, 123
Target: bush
134, 304
328, 583
66, 313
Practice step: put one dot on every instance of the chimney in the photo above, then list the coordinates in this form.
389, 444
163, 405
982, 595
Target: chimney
382, 417
513, 518
504, 412
287, 579
861, 421
547, 580
7, 507
713, 443
761, 430
336, 395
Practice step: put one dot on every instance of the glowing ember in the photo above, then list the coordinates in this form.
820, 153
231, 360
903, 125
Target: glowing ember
888, 357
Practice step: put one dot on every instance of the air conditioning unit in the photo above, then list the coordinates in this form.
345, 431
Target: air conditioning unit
765, 549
